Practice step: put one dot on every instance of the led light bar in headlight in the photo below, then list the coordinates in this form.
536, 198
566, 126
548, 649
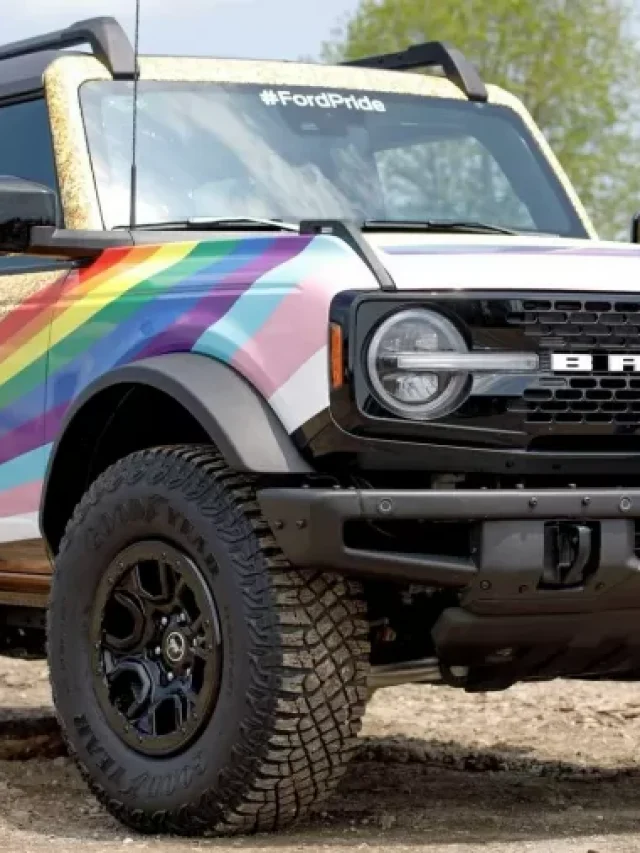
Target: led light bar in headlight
420, 367
471, 362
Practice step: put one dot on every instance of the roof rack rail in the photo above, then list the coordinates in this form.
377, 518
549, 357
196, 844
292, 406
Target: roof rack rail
431, 54
108, 41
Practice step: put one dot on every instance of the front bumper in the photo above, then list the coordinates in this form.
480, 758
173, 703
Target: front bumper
505, 567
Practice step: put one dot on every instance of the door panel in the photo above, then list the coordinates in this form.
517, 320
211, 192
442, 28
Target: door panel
26, 304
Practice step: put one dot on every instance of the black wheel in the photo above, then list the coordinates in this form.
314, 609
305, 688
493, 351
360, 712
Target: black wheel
203, 685
157, 647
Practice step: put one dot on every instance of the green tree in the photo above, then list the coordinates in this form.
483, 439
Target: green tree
574, 63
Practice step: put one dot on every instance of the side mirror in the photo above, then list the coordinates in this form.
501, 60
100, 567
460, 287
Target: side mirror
24, 205
635, 228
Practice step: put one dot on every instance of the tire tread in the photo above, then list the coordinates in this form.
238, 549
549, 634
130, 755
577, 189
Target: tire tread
308, 667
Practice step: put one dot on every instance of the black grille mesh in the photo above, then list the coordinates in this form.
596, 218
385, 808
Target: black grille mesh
581, 326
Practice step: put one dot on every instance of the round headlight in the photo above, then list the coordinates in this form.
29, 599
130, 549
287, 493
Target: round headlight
420, 394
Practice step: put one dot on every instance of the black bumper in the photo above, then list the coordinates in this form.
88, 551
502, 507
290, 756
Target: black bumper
511, 541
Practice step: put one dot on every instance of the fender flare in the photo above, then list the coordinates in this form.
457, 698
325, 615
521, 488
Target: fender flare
237, 419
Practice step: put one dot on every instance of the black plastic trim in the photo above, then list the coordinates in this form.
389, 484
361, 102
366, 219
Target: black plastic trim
405, 454
432, 54
352, 236
17, 91
499, 650
236, 418
309, 523
105, 36
66, 243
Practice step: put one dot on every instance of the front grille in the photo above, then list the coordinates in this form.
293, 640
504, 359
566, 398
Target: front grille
591, 326
580, 325
587, 400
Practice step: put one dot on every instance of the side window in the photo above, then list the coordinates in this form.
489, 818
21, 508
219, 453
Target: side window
26, 151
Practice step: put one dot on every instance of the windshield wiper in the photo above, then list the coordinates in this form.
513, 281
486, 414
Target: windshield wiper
214, 223
443, 226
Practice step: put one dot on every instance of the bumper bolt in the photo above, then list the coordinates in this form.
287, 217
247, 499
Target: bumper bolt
586, 501
301, 524
533, 502
278, 524
385, 506
625, 504
485, 585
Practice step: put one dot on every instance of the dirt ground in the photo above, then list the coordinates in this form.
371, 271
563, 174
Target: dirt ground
541, 768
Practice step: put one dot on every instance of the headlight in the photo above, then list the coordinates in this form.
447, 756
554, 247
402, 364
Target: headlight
399, 380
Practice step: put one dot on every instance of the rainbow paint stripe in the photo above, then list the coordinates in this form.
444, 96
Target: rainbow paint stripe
257, 303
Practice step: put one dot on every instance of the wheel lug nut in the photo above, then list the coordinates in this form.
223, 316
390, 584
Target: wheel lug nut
164, 621
183, 618
188, 672
169, 676
157, 651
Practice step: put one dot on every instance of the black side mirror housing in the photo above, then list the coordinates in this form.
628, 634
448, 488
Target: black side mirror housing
23, 206
635, 228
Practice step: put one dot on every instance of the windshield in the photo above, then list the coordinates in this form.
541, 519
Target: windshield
223, 150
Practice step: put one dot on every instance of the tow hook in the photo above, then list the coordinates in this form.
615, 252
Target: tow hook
568, 548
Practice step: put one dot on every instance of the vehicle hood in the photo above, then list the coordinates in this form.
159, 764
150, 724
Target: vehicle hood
478, 262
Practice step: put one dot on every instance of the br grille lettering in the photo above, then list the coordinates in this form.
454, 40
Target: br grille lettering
585, 363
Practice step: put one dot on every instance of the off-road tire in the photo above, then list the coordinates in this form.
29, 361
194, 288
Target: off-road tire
293, 685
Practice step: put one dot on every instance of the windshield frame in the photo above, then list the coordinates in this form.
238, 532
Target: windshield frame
67, 74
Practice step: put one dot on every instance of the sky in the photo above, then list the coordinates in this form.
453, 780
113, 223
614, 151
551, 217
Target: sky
269, 29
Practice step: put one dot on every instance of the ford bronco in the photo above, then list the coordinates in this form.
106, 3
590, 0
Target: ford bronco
313, 380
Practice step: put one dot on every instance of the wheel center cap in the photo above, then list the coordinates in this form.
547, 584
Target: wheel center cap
175, 647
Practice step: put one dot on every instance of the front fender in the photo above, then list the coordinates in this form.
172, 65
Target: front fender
216, 401
235, 417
